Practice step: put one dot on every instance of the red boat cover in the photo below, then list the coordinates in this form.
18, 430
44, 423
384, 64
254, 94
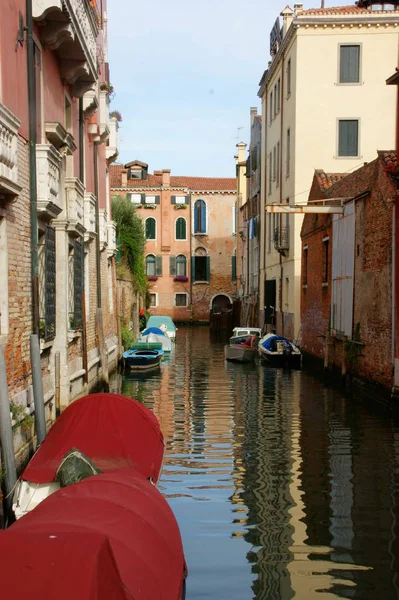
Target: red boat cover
119, 506
114, 431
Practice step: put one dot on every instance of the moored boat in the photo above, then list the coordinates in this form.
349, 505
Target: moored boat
142, 360
164, 323
155, 335
240, 353
240, 334
278, 350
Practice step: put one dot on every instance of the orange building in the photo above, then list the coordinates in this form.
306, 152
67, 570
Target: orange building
190, 229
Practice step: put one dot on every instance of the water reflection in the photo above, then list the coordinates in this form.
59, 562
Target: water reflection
282, 488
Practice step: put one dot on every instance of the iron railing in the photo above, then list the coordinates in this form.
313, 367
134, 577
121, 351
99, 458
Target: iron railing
282, 238
47, 285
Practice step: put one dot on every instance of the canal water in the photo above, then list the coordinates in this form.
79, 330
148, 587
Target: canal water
282, 487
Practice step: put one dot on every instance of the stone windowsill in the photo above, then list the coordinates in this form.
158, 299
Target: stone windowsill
73, 334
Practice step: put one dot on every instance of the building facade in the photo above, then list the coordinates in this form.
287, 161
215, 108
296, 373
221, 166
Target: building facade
190, 231
325, 63
56, 234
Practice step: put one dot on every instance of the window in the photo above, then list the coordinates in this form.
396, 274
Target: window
275, 101
181, 265
200, 268
271, 108
134, 198
181, 299
199, 217
150, 265
305, 266
274, 163
152, 199
75, 284
278, 165
153, 299
234, 267
181, 229
289, 78
150, 229
278, 96
325, 260
288, 157
270, 172
46, 255
348, 137
349, 64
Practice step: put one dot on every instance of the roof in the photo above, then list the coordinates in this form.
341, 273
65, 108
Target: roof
326, 180
114, 431
335, 10
136, 163
388, 157
201, 184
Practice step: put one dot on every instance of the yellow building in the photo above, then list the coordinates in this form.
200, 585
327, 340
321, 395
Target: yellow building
325, 105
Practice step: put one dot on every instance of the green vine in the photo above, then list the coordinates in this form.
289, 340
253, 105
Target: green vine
353, 348
20, 417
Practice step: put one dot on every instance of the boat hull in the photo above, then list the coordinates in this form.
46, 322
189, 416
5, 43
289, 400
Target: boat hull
239, 353
142, 360
278, 351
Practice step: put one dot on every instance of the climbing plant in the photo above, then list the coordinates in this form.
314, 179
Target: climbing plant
130, 239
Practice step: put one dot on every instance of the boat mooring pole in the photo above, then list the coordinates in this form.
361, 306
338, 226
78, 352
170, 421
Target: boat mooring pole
57, 385
6, 438
40, 417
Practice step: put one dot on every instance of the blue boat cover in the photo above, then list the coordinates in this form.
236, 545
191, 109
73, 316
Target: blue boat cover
152, 330
271, 342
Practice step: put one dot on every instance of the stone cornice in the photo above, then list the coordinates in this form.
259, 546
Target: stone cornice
171, 189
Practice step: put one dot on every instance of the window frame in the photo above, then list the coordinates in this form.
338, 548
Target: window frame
155, 294
179, 239
147, 262
181, 262
288, 153
348, 156
346, 83
151, 239
180, 294
195, 210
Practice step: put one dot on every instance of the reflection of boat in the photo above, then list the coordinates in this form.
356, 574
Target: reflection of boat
154, 335
241, 333
110, 535
112, 430
240, 353
163, 323
277, 350
142, 360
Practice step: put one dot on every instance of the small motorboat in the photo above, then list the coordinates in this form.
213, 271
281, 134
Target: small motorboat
142, 360
241, 353
154, 335
240, 334
163, 323
278, 351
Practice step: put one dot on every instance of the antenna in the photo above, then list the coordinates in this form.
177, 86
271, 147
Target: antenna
322, 3
238, 133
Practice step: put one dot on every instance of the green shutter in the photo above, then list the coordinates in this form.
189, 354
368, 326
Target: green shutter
172, 265
173, 199
158, 265
142, 198
193, 268
208, 269
157, 199
234, 268
187, 199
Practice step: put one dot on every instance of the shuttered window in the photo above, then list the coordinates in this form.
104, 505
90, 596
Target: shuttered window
349, 64
181, 228
348, 137
150, 229
150, 264
181, 265
234, 268
199, 217
158, 265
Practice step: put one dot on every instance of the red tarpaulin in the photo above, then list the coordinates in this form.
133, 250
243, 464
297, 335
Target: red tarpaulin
119, 506
112, 430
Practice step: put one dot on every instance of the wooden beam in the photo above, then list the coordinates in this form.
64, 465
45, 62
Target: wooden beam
292, 209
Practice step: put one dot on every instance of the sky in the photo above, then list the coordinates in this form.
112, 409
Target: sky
186, 73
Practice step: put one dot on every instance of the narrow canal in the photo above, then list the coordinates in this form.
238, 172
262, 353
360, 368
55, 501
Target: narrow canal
282, 487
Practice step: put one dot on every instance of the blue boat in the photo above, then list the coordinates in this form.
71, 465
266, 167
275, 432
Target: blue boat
278, 351
142, 360
163, 323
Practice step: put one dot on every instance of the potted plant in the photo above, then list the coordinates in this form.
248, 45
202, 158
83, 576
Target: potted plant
115, 114
152, 277
180, 278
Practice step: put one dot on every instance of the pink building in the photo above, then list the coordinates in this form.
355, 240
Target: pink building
190, 228
56, 235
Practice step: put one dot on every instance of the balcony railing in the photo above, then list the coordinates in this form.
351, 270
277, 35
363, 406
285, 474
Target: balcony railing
74, 190
71, 30
48, 161
112, 147
9, 125
282, 238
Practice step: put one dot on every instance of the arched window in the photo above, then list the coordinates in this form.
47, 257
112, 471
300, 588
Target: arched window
181, 229
181, 265
150, 264
200, 217
150, 228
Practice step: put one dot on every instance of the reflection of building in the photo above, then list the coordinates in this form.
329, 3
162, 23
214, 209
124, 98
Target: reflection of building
325, 63
189, 225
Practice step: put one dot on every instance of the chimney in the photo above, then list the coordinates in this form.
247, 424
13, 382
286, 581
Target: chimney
298, 8
253, 112
241, 152
165, 177
159, 173
124, 177
288, 17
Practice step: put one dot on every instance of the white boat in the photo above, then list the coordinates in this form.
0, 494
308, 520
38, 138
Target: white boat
163, 323
277, 350
241, 333
240, 353
154, 335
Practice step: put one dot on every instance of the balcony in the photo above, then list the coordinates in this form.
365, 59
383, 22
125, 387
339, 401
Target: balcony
90, 101
282, 239
70, 28
9, 125
103, 130
103, 229
112, 147
74, 191
111, 238
90, 215
48, 162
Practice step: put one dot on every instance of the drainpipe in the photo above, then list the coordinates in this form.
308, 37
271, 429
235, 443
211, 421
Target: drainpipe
81, 177
281, 185
191, 252
32, 169
81, 141
98, 257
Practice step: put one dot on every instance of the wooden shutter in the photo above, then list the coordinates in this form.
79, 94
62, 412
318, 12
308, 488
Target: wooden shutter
172, 265
349, 67
196, 210
158, 265
203, 217
348, 138
142, 198
208, 269
173, 199
234, 268
193, 268
187, 199
157, 199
